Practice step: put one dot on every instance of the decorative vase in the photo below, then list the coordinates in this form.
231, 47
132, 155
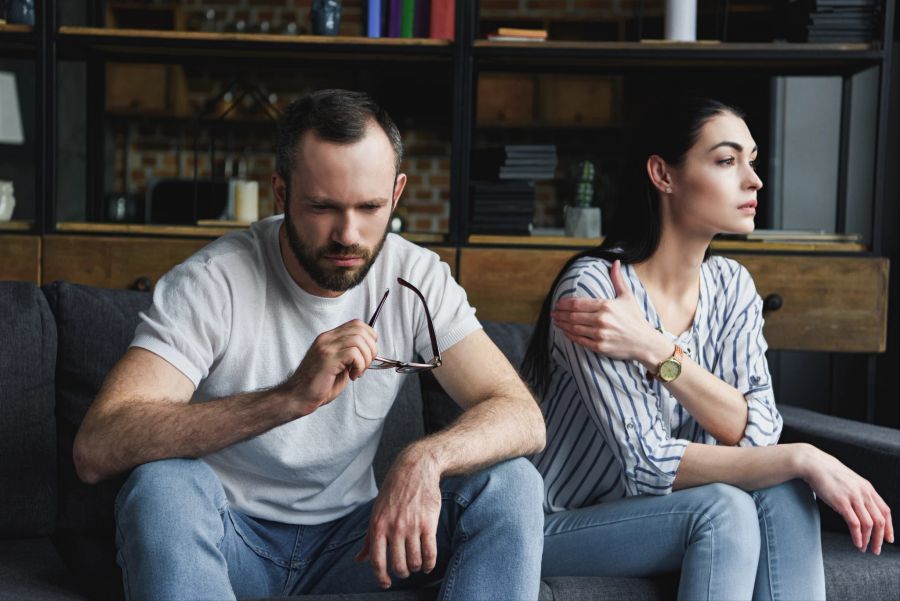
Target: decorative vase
325, 16
582, 222
20, 11
681, 20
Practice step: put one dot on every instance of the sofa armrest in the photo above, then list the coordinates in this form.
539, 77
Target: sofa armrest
871, 451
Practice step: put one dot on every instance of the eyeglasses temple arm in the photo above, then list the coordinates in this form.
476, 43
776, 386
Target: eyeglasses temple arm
434, 345
378, 308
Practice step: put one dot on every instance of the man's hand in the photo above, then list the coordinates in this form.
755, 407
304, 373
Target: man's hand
335, 357
615, 327
403, 527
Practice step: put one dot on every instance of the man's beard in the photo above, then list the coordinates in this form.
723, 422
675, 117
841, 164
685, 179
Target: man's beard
338, 279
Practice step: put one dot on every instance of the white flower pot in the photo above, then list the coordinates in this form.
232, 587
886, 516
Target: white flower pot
582, 222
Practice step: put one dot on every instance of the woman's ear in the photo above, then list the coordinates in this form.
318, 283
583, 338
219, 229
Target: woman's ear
659, 173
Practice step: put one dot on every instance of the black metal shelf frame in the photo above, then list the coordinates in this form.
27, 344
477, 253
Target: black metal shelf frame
466, 58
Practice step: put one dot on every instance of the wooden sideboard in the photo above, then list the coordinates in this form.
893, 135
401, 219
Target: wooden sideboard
834, 303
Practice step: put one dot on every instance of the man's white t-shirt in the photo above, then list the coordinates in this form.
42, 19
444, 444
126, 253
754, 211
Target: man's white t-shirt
233, 320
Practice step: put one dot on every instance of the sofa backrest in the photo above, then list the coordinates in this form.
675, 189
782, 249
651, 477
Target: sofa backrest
27, 424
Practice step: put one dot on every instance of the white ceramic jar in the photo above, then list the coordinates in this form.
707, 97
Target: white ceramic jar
7, 200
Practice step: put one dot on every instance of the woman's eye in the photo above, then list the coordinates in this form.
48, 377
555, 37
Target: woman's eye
753, 164
728, 161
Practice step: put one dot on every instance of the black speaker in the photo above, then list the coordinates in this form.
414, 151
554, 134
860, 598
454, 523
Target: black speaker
185, 201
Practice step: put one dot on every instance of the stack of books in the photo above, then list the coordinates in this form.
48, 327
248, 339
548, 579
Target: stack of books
834, 21
410, 19
512, 34
529, 162
502, 208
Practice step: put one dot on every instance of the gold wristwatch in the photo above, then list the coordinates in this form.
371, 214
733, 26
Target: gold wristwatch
670, 368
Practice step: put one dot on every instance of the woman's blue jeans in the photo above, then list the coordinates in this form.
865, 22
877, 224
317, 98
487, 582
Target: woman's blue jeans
728, 544
179, 539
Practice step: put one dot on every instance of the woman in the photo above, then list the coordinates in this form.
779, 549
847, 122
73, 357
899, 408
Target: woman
662, 427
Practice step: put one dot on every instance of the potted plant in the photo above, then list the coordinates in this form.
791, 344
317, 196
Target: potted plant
582, 220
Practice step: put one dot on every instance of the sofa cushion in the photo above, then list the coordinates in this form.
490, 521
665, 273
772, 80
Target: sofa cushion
439, 410
27, 425
31, 569
850, 574
94, 327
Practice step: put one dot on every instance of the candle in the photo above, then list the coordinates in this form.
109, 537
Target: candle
246, 201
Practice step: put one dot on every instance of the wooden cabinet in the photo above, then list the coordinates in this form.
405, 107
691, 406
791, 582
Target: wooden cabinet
822, 303
113, 262
133, 263
815, 303
20, 258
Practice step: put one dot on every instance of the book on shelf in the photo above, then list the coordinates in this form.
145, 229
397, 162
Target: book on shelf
422, 24
516, 34
494, 37
394, 18
373, 19
407, 18
501, 229
443, 15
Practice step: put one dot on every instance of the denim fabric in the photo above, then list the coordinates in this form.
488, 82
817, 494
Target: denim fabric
727, 543
179, 539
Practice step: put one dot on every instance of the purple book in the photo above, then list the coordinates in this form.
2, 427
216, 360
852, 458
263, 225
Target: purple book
395, 17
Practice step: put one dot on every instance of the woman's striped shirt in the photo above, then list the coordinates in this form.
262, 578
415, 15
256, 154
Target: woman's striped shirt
611, 432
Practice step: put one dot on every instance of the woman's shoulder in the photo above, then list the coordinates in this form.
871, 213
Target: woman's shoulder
586, 276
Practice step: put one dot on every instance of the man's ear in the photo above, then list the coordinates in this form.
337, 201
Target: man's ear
399, 184
279, 188
660, 174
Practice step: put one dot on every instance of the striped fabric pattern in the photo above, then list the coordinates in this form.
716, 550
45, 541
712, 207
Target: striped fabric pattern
613, 433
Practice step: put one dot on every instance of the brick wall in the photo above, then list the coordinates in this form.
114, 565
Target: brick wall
163, 151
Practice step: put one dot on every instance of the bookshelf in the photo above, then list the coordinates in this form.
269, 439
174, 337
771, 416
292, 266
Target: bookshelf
57, 47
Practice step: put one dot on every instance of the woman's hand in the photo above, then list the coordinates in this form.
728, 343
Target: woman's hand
615, 327
851, 495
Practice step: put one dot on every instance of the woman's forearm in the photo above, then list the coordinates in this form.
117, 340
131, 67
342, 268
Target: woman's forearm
716, 405
749, 468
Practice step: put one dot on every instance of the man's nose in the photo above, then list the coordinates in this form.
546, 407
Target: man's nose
346, 230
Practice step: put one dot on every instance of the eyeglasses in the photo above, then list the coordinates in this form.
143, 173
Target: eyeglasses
404, 367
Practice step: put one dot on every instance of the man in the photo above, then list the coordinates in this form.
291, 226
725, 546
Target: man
247, 402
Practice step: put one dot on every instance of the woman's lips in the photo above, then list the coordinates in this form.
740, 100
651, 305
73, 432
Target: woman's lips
748, 207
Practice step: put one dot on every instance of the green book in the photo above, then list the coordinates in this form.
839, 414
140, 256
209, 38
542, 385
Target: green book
408, 18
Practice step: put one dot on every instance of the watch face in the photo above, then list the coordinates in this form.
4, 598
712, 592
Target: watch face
669, 370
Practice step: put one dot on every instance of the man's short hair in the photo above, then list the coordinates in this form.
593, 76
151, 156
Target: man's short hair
339, 116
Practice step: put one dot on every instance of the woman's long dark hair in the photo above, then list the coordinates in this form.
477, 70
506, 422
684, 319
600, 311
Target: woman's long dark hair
633, 234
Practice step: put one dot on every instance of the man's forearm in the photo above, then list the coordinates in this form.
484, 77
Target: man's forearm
141, 431
487, 433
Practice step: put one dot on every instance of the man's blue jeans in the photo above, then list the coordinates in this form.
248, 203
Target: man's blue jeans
728, 544
179, 539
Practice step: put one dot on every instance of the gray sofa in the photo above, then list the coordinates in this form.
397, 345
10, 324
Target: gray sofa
56, 533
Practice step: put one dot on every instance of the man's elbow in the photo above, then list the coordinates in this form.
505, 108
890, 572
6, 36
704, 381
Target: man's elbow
86, 465
538, 429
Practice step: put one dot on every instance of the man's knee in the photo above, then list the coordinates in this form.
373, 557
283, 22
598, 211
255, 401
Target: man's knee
512, 495
168, 484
